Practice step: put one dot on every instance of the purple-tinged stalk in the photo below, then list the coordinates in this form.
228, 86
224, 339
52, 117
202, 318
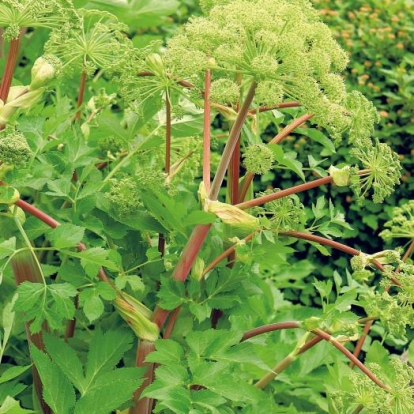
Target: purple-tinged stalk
11, 63
283, 193
276, 140
329, 338
144, 405
26, 269
81, 95
199, 233
287, 361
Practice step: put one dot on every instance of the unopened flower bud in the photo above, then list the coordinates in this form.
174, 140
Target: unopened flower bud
42, 72
8, 195
155, 64
241, 222
340, 176
137, 316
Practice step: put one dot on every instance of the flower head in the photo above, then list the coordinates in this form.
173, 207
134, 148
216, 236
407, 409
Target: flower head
382, 171
16, 14
402, 223
90, 41
14, 149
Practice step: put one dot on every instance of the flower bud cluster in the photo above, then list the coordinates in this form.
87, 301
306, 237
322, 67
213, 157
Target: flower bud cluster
14, 149
402, 223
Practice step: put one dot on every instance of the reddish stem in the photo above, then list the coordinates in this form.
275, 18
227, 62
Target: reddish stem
81, 95
144, 405
290, 128
183, 267
26, 269
350, 356
11, 63
171, 322
361, 341
276, 140
224, 255
231, 143
293, 104
283, 193
51, 222
206, 132
270, 328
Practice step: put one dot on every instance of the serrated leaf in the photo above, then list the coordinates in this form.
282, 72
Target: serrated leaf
66, 235
93, 259
13, 372
105, 351
41, 303
171, 294
66, 359
59, 188
11, 406
92, 304
110, 391
167, 378
7, 247
138, 13
168, 352
57, 390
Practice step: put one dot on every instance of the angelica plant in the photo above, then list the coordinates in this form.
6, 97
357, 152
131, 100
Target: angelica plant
168, 219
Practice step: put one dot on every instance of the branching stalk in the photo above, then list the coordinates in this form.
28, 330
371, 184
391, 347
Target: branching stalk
276, 140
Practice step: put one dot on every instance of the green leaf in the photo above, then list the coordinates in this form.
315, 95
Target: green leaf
110, 391
288, 160
57, 390
8, 195
93, 259
59, 188
317, 136
11, 406
13, 372
7, 247
66, 235
92, 304
168, 352
323, 287
66, 359
105, 351
41, 303
171, 294
137, 13
166, 379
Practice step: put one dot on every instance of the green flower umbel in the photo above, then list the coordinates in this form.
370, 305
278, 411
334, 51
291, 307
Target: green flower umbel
14, 149
382, 171
17, 14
